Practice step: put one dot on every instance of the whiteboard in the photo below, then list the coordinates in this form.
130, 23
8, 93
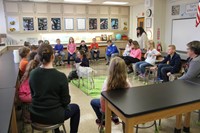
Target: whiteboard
183, 32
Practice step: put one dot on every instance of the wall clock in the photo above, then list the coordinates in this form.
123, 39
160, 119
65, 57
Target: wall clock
149, 12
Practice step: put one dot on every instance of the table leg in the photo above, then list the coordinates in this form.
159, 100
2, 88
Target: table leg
13, 127
107, 118
186, 127
128, 128
178, 124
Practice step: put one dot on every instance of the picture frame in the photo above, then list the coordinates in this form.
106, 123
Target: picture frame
148, 22
69, 23
81, 23
42, 23
114, 23
13, 24
56, 24
103, 23
92, 23
28, 23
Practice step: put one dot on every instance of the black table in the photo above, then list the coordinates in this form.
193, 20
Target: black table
8, 78
148, 103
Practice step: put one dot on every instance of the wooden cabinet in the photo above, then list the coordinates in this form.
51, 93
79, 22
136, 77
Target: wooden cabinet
27, 7
80, 9
93, 9
104, 10
124, 11
41, 8
11, 7
55, 8
114, 10
68, 9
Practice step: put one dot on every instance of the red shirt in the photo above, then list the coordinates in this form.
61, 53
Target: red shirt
94, 46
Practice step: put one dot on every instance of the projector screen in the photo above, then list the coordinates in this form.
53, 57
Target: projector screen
183, 32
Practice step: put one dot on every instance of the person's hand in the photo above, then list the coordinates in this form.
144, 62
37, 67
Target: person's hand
168, 74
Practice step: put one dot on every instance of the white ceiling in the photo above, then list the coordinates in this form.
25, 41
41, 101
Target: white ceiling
96, 2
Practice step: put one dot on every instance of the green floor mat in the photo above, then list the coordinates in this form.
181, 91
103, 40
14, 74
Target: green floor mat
95, 92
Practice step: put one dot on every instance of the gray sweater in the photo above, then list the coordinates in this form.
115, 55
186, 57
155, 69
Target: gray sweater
193, 70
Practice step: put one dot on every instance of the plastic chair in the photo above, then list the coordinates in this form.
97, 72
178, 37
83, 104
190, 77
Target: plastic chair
45, 128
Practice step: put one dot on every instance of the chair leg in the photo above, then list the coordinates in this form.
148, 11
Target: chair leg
64, 128
136, 129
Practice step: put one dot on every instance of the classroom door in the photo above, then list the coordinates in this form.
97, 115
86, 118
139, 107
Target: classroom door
140, 22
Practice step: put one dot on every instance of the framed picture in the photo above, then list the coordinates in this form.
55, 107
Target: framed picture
124, 23
55, 24
81, 24
28, 23
69, 23
114, 23
42, 24
148, 22
92, 23
13, 24
176, 10
103, 23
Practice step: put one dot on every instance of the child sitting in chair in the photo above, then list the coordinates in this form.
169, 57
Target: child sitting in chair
84, 62
116, 72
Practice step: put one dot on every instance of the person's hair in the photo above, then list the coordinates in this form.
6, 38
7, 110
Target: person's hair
23, 52
34, 47
72, 40
151, 42
109, 41
94, 39
32, 56
31, 65
117, 74
45, 51
57, 39
40, 42
172, 46
82, 41
130, 40
46, 42
141, 31
82, 53
135, 43
194, 46
27, 44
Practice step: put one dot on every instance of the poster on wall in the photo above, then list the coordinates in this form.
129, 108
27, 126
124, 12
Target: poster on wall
81, 24
56, 23
13, 24
92, 24
42, 24
69, 23
124, 23
114, 23
103, 23
28, 23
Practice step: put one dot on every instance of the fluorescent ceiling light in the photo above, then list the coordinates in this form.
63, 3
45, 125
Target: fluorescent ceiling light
39, 0
114, 3
78, 1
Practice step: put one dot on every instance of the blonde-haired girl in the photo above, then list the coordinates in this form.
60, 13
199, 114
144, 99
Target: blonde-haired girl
116, 72
71, 48
150, 60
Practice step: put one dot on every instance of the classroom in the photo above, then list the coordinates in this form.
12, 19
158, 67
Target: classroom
100, 66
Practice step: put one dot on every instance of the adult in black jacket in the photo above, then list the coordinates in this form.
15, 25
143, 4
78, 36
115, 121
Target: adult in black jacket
170, 65
50, 93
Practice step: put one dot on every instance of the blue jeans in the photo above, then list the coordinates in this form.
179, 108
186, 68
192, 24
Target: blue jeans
71, 55
74, 115
140, 66
92, 52
95, 103
108, 57
60, 54
163, 69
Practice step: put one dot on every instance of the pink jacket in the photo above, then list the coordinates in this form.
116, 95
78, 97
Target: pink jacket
25, 92
136, 53
71, 48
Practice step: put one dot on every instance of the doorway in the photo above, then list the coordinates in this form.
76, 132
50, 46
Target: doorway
140, 22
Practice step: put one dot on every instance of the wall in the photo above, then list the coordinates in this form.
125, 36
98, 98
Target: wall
135, 12
2, 20
169, 17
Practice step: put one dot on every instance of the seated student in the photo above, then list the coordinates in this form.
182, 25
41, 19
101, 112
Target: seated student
193, 70
128, 48
83, 47
59, 52
24, 89
116, 72
94, 49
84, 63
170, 65
135, 55
24, 53
111, 51
150, 60
71, 48
51, 104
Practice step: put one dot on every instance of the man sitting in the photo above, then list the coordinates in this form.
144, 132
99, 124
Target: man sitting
111, 51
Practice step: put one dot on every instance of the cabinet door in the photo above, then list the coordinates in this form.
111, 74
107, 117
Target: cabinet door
114, 10
11, 7
124, 11
104, 10
68, 9
55, 8
80, 9
27, 7
41, 8
93, 10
